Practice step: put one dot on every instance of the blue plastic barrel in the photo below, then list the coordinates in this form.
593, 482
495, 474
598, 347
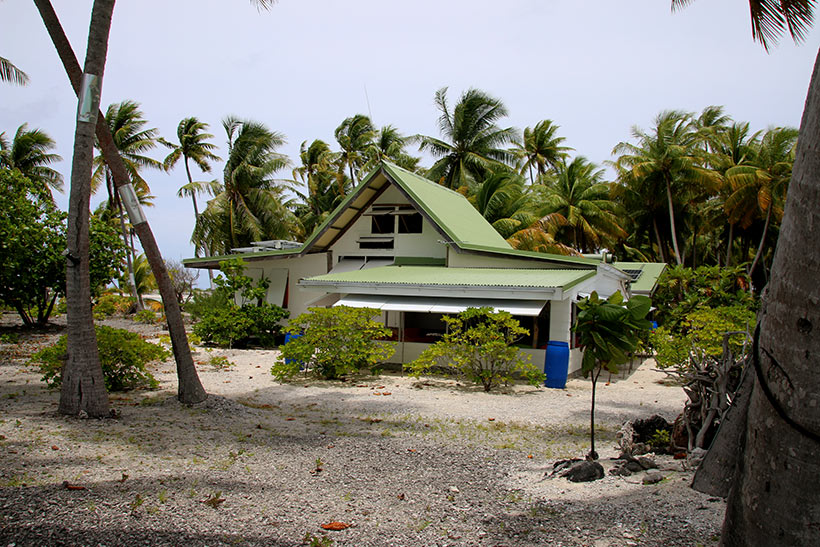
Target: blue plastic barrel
556, 364
288, 337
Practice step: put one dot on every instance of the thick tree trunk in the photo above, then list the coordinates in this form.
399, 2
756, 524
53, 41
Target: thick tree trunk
83, 387
190, 388
775, 498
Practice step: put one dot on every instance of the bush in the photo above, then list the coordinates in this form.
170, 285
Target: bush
479, 346
236, 313
123, 356
702, 329
149, 317
333, 342
112, 304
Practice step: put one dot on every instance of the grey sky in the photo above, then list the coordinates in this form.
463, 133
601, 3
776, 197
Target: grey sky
595, 67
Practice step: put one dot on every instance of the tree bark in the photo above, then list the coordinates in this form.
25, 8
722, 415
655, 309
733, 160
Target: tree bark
775, 498
190, 389
672, 226
83, 387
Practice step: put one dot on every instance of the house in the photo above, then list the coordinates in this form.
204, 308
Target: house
415, 250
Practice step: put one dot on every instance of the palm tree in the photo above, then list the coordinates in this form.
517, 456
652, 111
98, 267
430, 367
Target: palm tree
540, 148
504, 202
389, 145
127, 124
12, 74
29, 153
326, 188
193, 146
666, 160
83, 387
576, 204
758, 188
473, 145
775, 479
355, 136
253, 205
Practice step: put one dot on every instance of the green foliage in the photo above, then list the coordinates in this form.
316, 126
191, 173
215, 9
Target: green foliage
236, 312
682, 290
113, 304
334, 342
609, 330
106, 253
480, 346
702, 330
146, 316
123, 356
660, 440
220, 362
32, 238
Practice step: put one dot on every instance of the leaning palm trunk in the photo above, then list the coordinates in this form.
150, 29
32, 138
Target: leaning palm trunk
672, 226
775, 497
190, 388
83, 387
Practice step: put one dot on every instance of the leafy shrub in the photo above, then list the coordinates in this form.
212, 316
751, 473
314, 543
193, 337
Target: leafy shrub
149, 317
112, 304
220, 362
333, 342
123, 356
236, 313
702, 329
9, 338
479, 346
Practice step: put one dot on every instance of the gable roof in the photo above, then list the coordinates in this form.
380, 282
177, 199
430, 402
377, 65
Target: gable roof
449, 212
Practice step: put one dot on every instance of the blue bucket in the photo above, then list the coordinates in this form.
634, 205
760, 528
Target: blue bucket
288, 337
556, 364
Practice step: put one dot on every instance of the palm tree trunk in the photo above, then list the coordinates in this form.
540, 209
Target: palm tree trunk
729, 245
190, 389
672, 226
83, 387
129, 261
775, 494
762, 239
661, 247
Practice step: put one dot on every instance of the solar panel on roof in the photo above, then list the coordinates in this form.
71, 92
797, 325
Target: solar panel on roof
634, 274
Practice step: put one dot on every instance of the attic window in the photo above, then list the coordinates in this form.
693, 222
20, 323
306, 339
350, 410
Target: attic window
410, 221
382, 224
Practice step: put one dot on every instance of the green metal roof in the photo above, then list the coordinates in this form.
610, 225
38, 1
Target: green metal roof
438, 275
448, 209
650, 272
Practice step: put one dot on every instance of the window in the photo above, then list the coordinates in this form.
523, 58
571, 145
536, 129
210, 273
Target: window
410, 223
382, 224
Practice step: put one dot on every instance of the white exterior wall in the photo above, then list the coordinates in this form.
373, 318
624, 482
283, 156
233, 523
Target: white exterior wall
560, 320
290, 270
425, 244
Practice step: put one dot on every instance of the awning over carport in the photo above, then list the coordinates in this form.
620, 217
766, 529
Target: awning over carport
528, 308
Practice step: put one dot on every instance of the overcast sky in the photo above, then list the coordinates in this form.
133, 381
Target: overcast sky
594, 67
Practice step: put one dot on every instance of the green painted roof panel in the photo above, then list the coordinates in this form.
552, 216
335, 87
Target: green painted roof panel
650, 272
478, 277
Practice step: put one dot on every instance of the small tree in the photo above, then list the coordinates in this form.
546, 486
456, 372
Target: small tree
333, 342
479, 346
609, 330
238, 312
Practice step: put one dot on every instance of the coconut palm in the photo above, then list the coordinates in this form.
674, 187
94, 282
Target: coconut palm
473, 143
772, 451
29, 152
252, 205
667, 160
325, 187
389, 145
127, 124
355, 136
504, 202
541, 148
193, 146
576, 205
12, 74
758, 188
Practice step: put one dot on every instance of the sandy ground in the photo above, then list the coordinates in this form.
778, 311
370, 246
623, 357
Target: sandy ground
405, 461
